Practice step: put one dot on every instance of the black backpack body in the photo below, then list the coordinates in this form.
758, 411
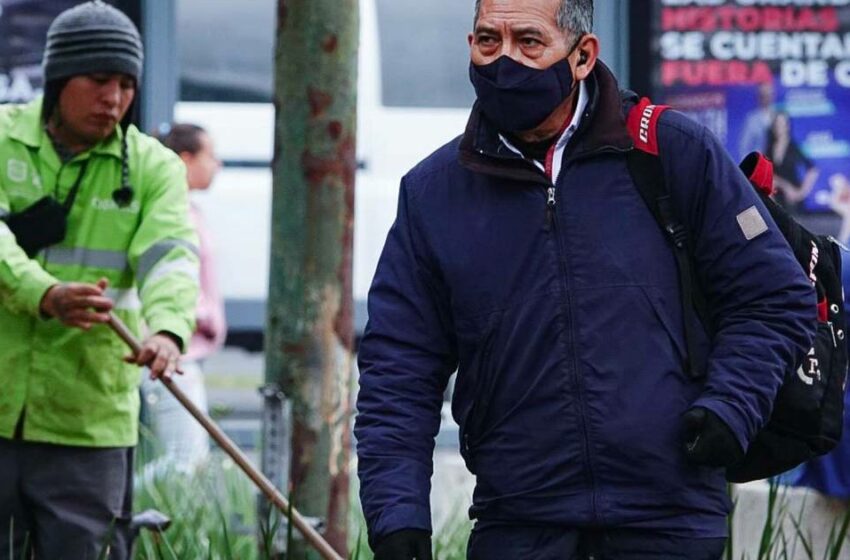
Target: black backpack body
808, 413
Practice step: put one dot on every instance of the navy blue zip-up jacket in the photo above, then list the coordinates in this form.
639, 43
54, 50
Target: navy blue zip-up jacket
564, 324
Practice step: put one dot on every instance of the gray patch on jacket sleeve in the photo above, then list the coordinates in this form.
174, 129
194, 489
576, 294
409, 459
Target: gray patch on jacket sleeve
751, 223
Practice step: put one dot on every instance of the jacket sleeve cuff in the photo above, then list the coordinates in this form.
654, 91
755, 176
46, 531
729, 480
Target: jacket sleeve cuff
731, 416
397, 518
172, 325
32, 291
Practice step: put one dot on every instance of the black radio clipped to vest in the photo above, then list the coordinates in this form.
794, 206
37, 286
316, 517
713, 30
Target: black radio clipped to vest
45, 222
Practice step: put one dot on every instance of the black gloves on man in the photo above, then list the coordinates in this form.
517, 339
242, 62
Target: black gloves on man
407, 544
709, 441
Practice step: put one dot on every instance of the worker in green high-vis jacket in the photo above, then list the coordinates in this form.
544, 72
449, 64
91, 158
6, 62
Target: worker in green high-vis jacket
68, 392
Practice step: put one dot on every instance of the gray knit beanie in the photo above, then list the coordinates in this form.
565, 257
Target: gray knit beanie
92, 38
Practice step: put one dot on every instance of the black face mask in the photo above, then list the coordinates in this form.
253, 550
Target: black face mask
516, 97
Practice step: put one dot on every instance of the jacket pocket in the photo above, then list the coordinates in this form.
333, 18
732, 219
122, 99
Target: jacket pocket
481, 386
101, 364
668, 312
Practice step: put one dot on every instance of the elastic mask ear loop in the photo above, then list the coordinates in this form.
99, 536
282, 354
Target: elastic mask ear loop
575, 45
574, 81
582, 56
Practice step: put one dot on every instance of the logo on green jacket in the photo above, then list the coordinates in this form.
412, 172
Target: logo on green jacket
16, 170
109, 204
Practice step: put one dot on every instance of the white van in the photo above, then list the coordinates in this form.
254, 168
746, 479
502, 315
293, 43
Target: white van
414, 95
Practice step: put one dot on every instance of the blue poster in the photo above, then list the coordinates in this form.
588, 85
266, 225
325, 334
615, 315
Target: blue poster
768, 76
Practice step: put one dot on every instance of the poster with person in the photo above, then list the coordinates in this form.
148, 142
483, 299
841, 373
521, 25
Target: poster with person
23, 28
765, 75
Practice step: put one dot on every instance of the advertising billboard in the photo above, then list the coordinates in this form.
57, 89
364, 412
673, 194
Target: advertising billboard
767, 75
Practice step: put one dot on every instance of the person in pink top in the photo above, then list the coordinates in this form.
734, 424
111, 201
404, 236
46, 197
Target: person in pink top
183, 441
195, 148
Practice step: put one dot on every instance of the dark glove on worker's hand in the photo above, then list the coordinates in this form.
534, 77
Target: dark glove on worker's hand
407, 544
709, 441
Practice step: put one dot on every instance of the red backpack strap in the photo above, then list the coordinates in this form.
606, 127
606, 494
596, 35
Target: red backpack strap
759, 170
647, 174
642, 122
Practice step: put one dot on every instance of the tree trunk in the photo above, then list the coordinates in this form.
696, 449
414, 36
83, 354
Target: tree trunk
309, 339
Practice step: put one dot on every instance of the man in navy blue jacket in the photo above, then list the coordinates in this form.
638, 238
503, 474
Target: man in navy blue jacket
523, 257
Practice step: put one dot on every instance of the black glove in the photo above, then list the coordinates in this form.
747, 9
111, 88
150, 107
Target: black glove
709, 441
407, 544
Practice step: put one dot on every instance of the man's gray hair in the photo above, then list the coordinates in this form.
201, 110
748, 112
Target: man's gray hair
574, 16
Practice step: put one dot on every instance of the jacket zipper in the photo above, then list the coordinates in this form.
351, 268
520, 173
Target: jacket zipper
579, 384
551, 221
550, 208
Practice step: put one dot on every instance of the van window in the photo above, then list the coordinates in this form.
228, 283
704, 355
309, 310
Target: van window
226, 49
424, 53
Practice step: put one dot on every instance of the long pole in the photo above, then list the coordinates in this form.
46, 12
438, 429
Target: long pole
226, 444
309, 335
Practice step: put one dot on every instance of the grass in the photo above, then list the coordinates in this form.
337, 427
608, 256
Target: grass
214, 515
785, 534
449, 542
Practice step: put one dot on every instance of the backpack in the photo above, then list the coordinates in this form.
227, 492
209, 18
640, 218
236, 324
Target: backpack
808, 411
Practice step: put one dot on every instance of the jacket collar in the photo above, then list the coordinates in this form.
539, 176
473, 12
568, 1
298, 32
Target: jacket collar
602, 128
29, 130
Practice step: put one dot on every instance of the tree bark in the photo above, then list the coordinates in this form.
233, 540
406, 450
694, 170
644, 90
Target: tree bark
309, 338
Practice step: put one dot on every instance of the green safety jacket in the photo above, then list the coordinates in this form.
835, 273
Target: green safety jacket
70, 386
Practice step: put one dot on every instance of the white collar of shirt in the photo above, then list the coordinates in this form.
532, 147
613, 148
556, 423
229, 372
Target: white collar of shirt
562, 142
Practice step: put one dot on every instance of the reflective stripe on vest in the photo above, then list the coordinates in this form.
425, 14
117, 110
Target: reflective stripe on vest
124, 300
181, 266
155, 253
89, 258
